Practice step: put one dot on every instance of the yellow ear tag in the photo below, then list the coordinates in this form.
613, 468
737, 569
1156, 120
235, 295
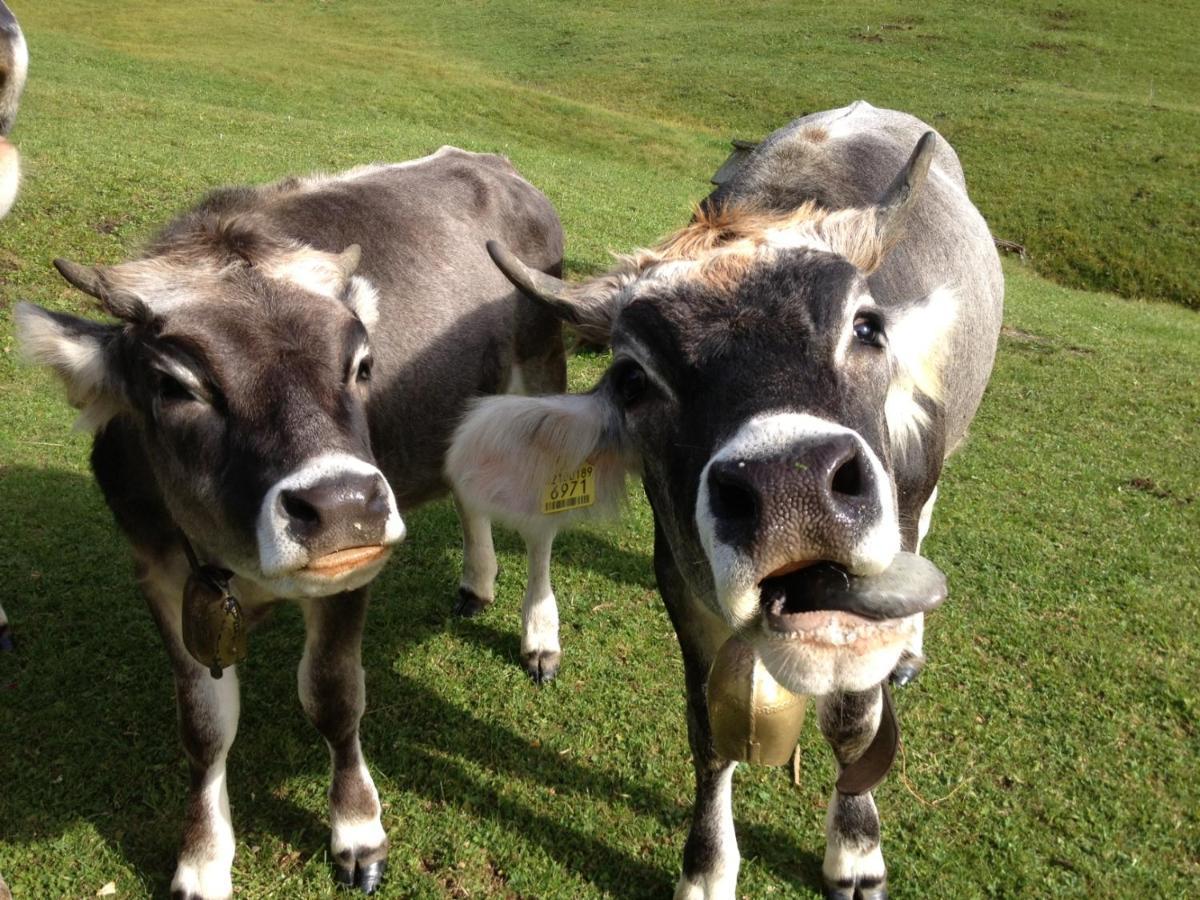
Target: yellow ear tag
570, 490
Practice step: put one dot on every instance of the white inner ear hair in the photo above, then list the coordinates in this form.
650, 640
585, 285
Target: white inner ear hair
313, 270
917, 342
78, 359
363, 300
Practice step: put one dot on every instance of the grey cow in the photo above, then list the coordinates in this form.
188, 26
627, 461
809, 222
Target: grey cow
282, 379
789, 373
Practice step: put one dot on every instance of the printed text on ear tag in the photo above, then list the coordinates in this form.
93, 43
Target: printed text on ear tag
570, 490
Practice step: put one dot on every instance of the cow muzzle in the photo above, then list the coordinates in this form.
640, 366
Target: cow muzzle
327, 527
823, 629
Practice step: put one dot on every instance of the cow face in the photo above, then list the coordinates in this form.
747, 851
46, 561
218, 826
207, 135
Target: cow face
767, 400
245, 376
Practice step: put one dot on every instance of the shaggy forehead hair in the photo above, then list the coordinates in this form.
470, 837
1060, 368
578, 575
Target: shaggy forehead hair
724, 241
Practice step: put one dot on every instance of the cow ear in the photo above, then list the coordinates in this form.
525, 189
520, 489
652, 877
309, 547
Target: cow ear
897, 201
917, 342
588, 307
865, 236
540, 464
79, 351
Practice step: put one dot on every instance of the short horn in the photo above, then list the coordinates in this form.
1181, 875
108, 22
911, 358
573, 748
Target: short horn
92, 281
904, 188
534, 284
85, 278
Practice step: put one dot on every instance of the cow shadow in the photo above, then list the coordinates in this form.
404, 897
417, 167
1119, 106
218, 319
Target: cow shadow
88, 714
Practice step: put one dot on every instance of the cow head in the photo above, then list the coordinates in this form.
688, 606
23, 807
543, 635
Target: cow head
242, 362
770, 405
14, 61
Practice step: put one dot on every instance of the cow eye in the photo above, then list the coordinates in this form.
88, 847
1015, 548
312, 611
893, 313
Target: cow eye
868, 328
364, 370
172, 390
630, 382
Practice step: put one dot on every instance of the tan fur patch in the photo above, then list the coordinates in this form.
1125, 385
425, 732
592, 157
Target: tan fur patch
727, 239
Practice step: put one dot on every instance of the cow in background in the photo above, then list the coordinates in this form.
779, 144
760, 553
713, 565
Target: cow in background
789, 373
14, 62
280, 377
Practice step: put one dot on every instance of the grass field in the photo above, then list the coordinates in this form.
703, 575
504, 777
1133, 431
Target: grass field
1052, 747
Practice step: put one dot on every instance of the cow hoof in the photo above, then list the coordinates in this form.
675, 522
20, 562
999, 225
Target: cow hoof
907, 670
541, 665
469, 604
6, 641
863, 889
365, 877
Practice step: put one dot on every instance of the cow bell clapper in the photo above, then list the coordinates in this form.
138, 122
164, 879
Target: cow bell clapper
753, 718
214, 630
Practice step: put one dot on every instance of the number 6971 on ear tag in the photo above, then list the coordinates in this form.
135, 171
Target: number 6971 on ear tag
570, 490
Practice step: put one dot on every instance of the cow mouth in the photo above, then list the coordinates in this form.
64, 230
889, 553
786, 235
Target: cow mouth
342, 562
824, 602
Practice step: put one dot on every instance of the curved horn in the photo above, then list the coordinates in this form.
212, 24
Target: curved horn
904, 188
534, 284
86, 278
588, 307
92, 281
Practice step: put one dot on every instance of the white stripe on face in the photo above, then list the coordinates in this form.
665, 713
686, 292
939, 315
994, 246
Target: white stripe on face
737, 574
280, 555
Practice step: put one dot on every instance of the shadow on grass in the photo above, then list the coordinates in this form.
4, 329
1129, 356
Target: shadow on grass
88, 716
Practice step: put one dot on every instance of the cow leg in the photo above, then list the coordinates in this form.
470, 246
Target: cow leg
540, 650
912, 659
208, 716
332, 692
5, 632
853, 868
710, 857
478, 585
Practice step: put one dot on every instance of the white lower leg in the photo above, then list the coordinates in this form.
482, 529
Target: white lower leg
539, 611
357, 829
718, 878
853, 853
206, 858
332, 689
479, 556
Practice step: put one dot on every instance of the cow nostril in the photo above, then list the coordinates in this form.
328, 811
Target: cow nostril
848, 479
299, 510
377, 499
730, 496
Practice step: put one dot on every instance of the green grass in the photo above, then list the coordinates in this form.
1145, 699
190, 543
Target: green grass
1051, 747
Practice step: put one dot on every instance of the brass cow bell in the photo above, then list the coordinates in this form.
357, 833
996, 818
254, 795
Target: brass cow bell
754, 718
214, 631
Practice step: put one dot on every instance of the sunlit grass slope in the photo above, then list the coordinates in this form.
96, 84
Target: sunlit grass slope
1051, 747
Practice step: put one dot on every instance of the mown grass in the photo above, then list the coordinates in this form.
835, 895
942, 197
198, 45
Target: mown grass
1051, 747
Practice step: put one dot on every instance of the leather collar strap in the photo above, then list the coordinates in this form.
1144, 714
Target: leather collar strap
869, 770
205, 571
